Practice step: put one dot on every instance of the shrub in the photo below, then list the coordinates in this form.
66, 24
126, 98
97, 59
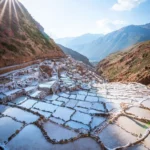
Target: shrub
10, 47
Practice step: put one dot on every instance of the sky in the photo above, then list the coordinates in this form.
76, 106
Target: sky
70, 18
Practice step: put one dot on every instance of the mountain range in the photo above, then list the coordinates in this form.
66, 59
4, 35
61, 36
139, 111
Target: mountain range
76, 43
129, 65
101, 47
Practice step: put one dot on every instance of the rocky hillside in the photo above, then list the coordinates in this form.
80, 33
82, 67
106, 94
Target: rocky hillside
116, 41
22, 39
132, 64
75, 55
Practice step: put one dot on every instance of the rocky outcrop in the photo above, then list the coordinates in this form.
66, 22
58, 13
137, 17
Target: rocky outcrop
132, 64
22, 39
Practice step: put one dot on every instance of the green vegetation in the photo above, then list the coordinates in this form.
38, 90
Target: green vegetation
10, 47
2, 52
38, 36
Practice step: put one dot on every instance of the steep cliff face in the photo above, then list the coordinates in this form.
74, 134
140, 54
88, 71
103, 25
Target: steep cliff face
22, 39
132, 64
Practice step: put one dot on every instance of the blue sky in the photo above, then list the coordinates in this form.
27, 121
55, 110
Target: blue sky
68, 18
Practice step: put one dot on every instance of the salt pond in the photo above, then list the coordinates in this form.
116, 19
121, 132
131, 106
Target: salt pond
8, 127
21, 115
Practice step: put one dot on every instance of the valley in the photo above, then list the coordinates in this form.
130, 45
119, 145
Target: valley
85, 92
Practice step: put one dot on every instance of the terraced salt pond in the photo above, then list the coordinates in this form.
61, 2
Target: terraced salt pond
24, 139
8, 127
63, 113
21, 115
132, 125
45, 106
76, 125
57, 132
113, 136
20, 100
28, 104
80, 113
139, 112
96, 121
81, 117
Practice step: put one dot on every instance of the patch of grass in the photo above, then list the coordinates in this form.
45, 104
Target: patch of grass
2, 52
145, 55
10, 47
38, 36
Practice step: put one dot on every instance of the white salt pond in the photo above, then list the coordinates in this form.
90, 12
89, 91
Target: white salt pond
58, 132
28, 139
8, 127
28, 104
139, 112
96, 121
81, 117
132, 125
25, 141
45, 106
45, 114
51, 97
19, 100
21, 115
63, 113
76, 125
113, 136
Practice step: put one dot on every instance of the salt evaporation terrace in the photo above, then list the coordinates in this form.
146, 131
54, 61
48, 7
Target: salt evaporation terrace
63, 105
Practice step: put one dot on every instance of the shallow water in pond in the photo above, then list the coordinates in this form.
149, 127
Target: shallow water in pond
139, 112
98, 106
20, 100
58, 132
63, 113
25, 141
132, 125
76, 125
45, 114
8, 127
91, 99
21, 115
45, 106
51, 97
28, 104
84, 104
146, 103
81, 117
96, 121
80, 97
3, 108
113, 136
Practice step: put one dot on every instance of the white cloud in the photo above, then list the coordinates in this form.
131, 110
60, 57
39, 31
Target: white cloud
123, 5
107, 25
